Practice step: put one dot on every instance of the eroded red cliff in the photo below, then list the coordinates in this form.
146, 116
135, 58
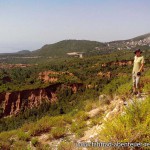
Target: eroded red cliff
13, 102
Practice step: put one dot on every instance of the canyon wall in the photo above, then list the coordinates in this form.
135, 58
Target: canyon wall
13, 102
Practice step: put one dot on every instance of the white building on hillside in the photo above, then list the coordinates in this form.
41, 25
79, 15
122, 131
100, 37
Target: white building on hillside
76, 54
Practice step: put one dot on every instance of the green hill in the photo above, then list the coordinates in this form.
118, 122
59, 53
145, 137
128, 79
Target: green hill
90, 47
66, 46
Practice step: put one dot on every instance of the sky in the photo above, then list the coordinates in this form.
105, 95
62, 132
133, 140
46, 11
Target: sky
30, 24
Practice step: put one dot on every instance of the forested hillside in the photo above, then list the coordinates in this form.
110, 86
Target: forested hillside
108, 115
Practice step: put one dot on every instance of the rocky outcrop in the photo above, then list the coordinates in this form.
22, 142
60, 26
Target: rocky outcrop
52, 76
13, 102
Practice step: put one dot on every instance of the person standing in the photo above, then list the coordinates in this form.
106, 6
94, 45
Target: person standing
138, 66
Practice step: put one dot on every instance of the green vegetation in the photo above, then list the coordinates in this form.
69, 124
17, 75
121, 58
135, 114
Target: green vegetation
25, 128
34, 141
81, 116
58, 132
23, 135
132, 126
84, 70
66, 146
67, 46
117, 83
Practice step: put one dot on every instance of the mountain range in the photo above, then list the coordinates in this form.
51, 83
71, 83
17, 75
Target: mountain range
89, 47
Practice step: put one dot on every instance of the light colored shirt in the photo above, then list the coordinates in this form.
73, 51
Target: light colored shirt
138, 61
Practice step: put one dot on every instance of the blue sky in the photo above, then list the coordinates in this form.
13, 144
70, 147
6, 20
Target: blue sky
30, 24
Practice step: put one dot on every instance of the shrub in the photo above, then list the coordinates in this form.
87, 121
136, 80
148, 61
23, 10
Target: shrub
95, 121
27, 127
38, 129
67, 119
73, 112
124, 89
81, 116
8, 136
46, 123
114, 84
43, 125
57, 121
89, 106
34, 141
80, 133
23, 136
78, 125
58, 132
20, 145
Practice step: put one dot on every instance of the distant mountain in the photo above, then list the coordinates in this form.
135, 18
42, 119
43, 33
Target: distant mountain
63, 47
24, 52
88, 47
66, 46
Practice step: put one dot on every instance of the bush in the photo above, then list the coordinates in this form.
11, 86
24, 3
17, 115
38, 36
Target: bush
58, 132
89, 106
46, 123
96, 121
38, 129
34, 142
27, 127
8, 136
114, 84
132, 126
41, 126
73, 112
77, 126
23, 136
67, 119
57, 121
81, 116
124, 89
80, 133
20, 145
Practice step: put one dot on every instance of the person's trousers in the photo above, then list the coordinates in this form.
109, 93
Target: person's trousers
136, 80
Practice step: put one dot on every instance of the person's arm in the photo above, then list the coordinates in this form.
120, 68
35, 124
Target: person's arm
142, 65
141, 68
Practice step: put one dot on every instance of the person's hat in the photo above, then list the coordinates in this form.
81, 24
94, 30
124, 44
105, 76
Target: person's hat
138, 50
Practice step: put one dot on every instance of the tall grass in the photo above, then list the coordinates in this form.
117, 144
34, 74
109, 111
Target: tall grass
131, 126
